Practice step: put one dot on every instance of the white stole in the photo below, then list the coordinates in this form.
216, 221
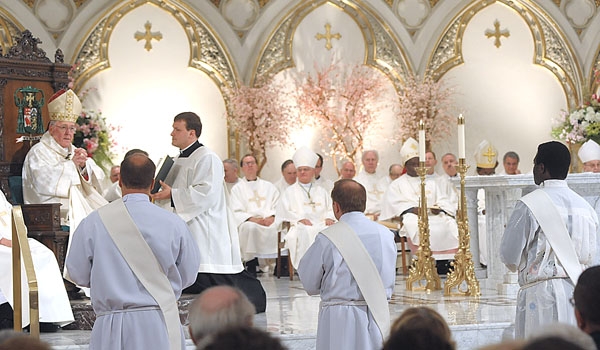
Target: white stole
142, 261
363, 270
547, 215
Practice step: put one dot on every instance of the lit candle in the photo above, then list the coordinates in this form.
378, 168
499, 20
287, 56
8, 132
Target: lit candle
461, 137
421, 141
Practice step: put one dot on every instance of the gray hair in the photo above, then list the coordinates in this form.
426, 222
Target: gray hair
232, 162
370, 151
218, 308
511, 154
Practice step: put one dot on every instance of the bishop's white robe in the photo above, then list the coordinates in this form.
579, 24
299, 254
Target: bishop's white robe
198, 193
296, 205
255, 199
345, 322
128, 317
54, 305
113, 192
50, 176
545, 287
404, 193
374, 192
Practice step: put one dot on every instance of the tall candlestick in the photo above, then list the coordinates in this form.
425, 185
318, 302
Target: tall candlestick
461, 137
421, 141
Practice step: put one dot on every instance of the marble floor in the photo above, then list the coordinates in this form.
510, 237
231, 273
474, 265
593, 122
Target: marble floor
292, 315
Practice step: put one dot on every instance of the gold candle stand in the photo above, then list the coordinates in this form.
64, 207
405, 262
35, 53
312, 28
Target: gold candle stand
462, 269
423, 267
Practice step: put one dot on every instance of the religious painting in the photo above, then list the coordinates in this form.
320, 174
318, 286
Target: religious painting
29, 101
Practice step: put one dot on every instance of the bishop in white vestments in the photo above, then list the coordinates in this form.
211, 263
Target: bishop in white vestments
347, 319
253, 202
402, 200
547, 269
306, 206
54, 305
54, 171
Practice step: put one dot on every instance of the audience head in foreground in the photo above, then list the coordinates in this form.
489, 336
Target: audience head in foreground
246, 338
418, 318
587, 308
218, 308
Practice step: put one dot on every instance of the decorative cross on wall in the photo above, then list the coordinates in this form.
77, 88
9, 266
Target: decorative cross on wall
328, 36
148, 35
497, 33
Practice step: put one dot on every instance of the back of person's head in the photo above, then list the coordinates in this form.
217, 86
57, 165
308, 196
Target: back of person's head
135, 151
551, 343
192, 121
350, 195
416, 339
137, 172
218, 308
556, 159
27, 342
246, 338
586, 296
565, 332
416, 318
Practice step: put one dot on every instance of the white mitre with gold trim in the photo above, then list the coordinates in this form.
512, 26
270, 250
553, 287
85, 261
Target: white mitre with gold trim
486, 155
589, 151
304, 156
64, 106
410, 149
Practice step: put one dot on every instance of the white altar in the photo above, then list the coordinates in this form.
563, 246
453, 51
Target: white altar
501, 194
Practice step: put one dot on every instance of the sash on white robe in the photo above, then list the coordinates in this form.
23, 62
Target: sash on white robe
550, 220
142, 261
363, 270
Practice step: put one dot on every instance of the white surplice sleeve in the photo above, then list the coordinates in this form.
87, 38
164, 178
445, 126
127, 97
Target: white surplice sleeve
514, 240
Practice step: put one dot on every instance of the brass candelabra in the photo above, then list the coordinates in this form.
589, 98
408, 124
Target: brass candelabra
423, 267
462, 269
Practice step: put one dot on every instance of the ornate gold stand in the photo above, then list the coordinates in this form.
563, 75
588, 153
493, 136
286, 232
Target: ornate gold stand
423, 267
462, 267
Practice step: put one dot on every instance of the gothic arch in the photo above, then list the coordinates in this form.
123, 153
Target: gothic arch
207, 52
552, 48
9, 28
383, 50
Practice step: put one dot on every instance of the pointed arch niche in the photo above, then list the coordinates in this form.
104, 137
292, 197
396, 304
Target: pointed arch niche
293, 48
140, 91
509, 93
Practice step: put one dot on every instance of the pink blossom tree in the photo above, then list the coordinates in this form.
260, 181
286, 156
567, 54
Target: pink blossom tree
344, 103
428, 100
261, 116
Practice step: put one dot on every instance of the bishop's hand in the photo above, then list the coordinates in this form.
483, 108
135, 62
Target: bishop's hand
79, 157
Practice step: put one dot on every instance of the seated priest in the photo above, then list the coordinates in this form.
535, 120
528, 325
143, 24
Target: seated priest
253, 203
53, 302
305, 205
288, 176
369, 178
589, 154
402, 200
54, 171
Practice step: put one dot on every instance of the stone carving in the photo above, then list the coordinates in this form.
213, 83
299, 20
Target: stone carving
446, 50
212, 55
89, 55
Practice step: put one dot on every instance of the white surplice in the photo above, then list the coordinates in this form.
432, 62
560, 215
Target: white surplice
113, 192
50, 176
257, 198
594, 201
128, 317
281, 185
345, 322
54, 305
374, 192
545, 287
295, 205
325, 183
404, 193
198, 193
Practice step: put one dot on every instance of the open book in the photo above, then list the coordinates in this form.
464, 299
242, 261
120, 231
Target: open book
163, 169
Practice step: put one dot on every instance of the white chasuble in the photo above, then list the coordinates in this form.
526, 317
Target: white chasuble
256, 199
303, 201
375, 191
54, 305
198, 194
404, 193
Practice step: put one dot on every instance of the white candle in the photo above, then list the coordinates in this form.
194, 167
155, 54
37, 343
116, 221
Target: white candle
461, 137
421, 141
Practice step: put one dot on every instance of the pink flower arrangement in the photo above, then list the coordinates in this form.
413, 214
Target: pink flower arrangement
261, 116
344, 103
428, 100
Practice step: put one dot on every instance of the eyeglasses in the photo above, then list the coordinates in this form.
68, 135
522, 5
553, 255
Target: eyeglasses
250, 163
65, 128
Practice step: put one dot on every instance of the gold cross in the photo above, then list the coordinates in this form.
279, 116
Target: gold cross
497, 33
328, 36
29, 98
376, 192
489, 153
148, 36
313, 205
257, 199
